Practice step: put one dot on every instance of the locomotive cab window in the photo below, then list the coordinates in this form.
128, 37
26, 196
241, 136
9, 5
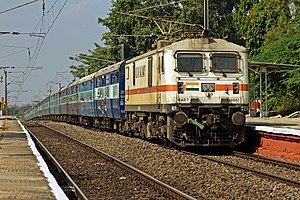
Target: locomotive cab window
223, 62
190, 62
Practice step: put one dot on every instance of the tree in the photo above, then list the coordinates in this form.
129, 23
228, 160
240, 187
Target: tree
139, 24
19, 111
91, 62
255, 18
139, 33
284, 85
137, 17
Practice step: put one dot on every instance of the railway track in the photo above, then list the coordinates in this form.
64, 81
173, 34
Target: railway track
267, 160
198, 177
171, 192
71, 183
261, 173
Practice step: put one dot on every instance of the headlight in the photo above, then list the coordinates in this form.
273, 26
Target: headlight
207, 87
180, 87
235, 88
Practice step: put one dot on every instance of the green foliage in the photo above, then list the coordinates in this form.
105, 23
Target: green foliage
138, 17
123, 20
255, 18
19, 111
138, 24
285, 46
90, 62
283, 85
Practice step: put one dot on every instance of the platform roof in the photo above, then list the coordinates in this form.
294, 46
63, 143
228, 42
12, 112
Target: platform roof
272, 66
265, 68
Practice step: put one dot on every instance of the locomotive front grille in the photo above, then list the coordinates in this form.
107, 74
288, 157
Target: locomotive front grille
193, 136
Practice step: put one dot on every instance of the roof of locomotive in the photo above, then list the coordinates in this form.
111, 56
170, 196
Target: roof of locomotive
206, 44
199, 44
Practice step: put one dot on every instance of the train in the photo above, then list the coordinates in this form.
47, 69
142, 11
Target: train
188, 93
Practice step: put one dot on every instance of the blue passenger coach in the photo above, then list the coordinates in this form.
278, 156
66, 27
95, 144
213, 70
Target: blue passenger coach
109, 89
85, 96
97, 99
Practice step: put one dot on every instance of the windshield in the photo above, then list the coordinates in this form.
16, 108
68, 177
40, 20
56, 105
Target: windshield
190, 62
223, 62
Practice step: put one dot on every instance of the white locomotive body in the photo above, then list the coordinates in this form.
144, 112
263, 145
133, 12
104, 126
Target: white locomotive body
191, 93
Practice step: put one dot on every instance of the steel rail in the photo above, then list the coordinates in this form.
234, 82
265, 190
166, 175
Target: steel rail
78, 192
267, 160
254, 171
171, 191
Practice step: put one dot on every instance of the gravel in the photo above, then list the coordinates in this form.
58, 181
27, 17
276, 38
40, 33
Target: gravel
97, 177
267, 167
195, 176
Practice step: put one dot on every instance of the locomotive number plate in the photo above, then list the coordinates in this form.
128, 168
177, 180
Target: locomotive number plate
233, 100
183, 99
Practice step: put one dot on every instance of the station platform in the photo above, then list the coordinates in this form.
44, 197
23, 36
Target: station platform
23, 172
282, 125
279, 137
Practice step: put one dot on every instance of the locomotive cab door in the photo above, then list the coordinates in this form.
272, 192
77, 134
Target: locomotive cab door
152, 83
160, 73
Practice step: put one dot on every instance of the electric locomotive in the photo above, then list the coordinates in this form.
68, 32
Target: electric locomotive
192, 92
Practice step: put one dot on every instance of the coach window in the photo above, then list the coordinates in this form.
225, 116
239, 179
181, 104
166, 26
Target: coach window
190, 62
103, 81
98, 82
116, 79
150, 64
224, 62
107, 81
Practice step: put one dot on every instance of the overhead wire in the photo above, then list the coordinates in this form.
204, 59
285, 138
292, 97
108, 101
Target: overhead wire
41, 40
51, 16
19, 6
11, 54
11, 46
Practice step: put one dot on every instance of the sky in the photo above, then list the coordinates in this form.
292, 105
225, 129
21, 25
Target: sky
74, 31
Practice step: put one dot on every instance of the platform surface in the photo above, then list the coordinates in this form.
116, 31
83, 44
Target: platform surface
23, 173
283, 125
